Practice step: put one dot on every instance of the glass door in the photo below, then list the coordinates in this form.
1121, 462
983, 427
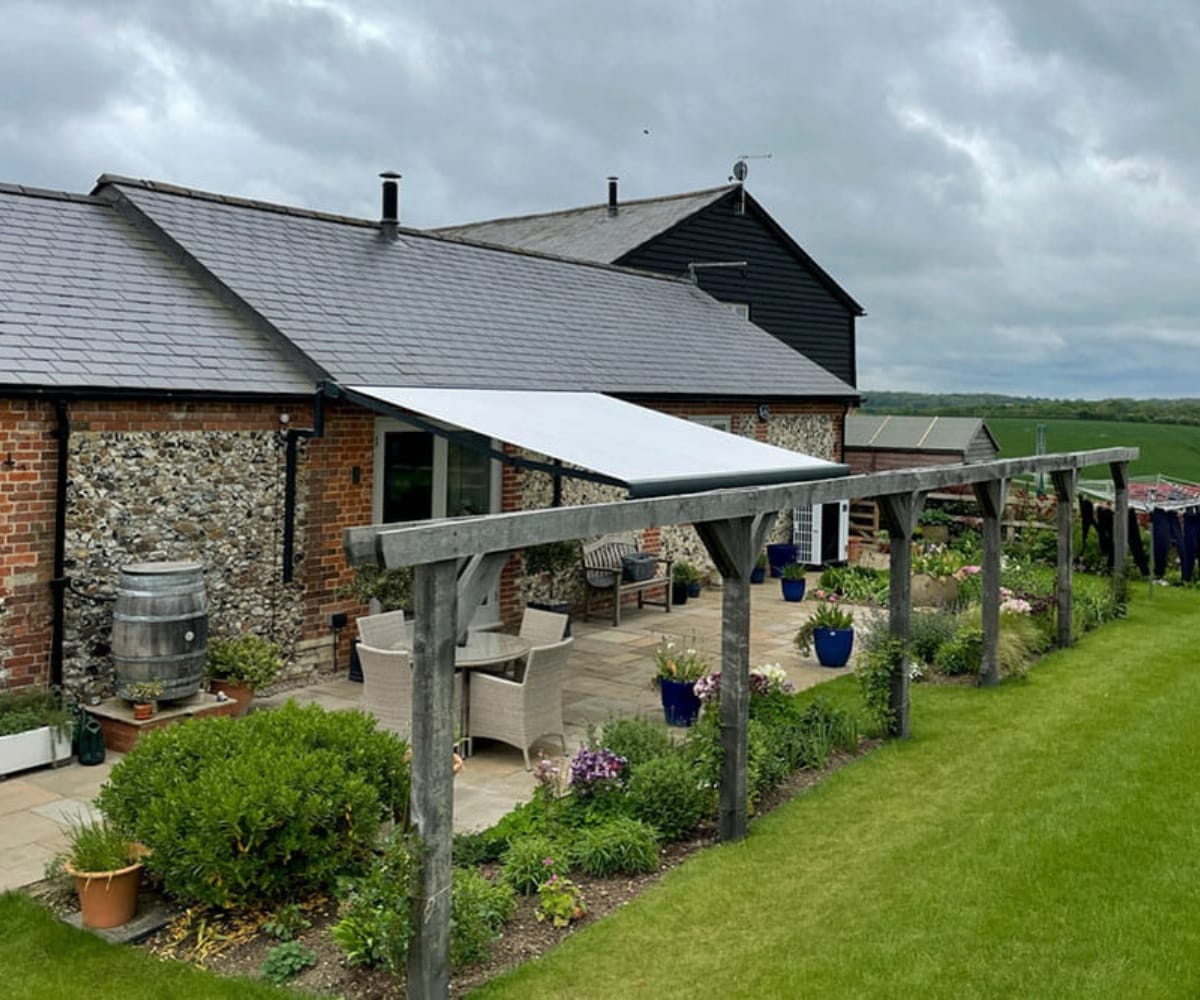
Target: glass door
420, 475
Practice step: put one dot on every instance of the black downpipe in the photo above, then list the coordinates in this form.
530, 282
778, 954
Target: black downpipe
289, 483
59, 582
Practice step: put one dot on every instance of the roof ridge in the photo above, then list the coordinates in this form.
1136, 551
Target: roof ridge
235, 202
722, 189
238, 202
50, 193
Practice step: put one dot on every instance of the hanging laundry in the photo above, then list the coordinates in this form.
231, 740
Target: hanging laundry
1165, 534
1086, 519
1104, 531
1136, 548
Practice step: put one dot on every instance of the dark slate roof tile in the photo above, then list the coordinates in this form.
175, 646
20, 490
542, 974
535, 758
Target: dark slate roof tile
86, 299
434, 312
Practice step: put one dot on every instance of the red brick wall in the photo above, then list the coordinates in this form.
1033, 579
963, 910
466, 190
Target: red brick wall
28, 456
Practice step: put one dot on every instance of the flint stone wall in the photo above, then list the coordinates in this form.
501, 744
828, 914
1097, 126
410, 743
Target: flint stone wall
212, 497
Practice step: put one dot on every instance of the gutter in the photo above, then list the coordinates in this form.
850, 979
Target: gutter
292, 437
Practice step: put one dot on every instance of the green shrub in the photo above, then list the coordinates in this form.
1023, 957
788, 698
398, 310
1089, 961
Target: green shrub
857, 584
32, 708
637, 740
767, 758
260, 809
478, 910
702, 749
962, 653
825, 728
524, 865
881, 655
477, 848
927, 631
621, 846
1018, 641
287, 960
664, 793
376, 913
248, 659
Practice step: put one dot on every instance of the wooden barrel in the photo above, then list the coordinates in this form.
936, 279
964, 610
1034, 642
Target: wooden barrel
160, 627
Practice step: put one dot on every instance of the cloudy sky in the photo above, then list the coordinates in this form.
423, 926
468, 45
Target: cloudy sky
1011, 189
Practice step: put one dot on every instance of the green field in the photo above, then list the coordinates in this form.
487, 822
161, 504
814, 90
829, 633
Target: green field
1170, 449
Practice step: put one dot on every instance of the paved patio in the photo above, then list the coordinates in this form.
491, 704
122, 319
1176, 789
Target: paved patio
608, 676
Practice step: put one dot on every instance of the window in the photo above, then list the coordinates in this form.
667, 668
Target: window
741, 308
420, 475
719, 422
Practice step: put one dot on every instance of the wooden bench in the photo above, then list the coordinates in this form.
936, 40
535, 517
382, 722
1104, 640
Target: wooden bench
602, 571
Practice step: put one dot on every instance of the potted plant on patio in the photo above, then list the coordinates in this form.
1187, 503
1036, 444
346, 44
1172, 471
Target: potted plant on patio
35, 729
144, 695
792, 582
683, 577
237, 668
677, 667
759, 573
831, 631
107, 869
550, 563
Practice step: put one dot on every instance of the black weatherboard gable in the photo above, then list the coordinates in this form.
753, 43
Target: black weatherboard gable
789, 294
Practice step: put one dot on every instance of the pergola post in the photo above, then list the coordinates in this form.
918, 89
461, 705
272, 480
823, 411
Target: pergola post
734, 545
1065, 481
1120, 478
435, 603
991, 496
900, 512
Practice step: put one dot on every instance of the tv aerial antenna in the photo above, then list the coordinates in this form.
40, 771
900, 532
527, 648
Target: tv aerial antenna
740, 169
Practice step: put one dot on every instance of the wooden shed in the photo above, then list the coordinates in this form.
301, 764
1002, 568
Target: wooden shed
880, 442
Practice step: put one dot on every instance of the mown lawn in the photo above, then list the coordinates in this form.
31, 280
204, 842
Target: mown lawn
41, 958
1170, 449
1040, 839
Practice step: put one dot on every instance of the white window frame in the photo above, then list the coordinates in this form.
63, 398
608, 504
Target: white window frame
718, 421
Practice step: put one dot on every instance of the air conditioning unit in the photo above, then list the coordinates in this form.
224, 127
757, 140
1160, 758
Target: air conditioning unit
821, 532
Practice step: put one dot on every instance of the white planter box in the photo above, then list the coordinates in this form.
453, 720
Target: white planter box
33, 748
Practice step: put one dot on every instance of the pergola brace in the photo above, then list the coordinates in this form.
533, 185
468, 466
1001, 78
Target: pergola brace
476, 580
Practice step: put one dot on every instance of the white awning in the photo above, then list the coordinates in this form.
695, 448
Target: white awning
650, 453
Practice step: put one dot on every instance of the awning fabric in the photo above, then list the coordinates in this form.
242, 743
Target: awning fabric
650, 453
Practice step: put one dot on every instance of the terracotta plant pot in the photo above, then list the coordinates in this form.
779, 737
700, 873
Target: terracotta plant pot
142, 710
107, 899
240, 693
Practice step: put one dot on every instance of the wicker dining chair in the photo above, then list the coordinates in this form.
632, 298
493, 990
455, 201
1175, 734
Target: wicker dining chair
543, 628
520, 712
384, 631
387, 687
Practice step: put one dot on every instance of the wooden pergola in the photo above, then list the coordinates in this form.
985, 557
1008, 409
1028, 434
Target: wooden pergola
458, 561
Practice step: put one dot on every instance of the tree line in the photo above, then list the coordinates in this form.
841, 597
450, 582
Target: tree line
1155, 411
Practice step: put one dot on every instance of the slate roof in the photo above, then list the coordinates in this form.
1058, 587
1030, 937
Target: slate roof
429, 311
86, 300
590, 233
891, 433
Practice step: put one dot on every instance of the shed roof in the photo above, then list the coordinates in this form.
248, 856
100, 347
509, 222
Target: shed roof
86, 299
886, 432
429, 311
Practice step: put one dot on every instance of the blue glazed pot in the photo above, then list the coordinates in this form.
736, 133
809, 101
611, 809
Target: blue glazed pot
758, 574
679, 702
833, 645
780, 554
793, 590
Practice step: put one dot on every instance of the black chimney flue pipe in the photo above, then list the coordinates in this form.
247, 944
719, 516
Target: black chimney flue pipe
612, 196
389, 223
